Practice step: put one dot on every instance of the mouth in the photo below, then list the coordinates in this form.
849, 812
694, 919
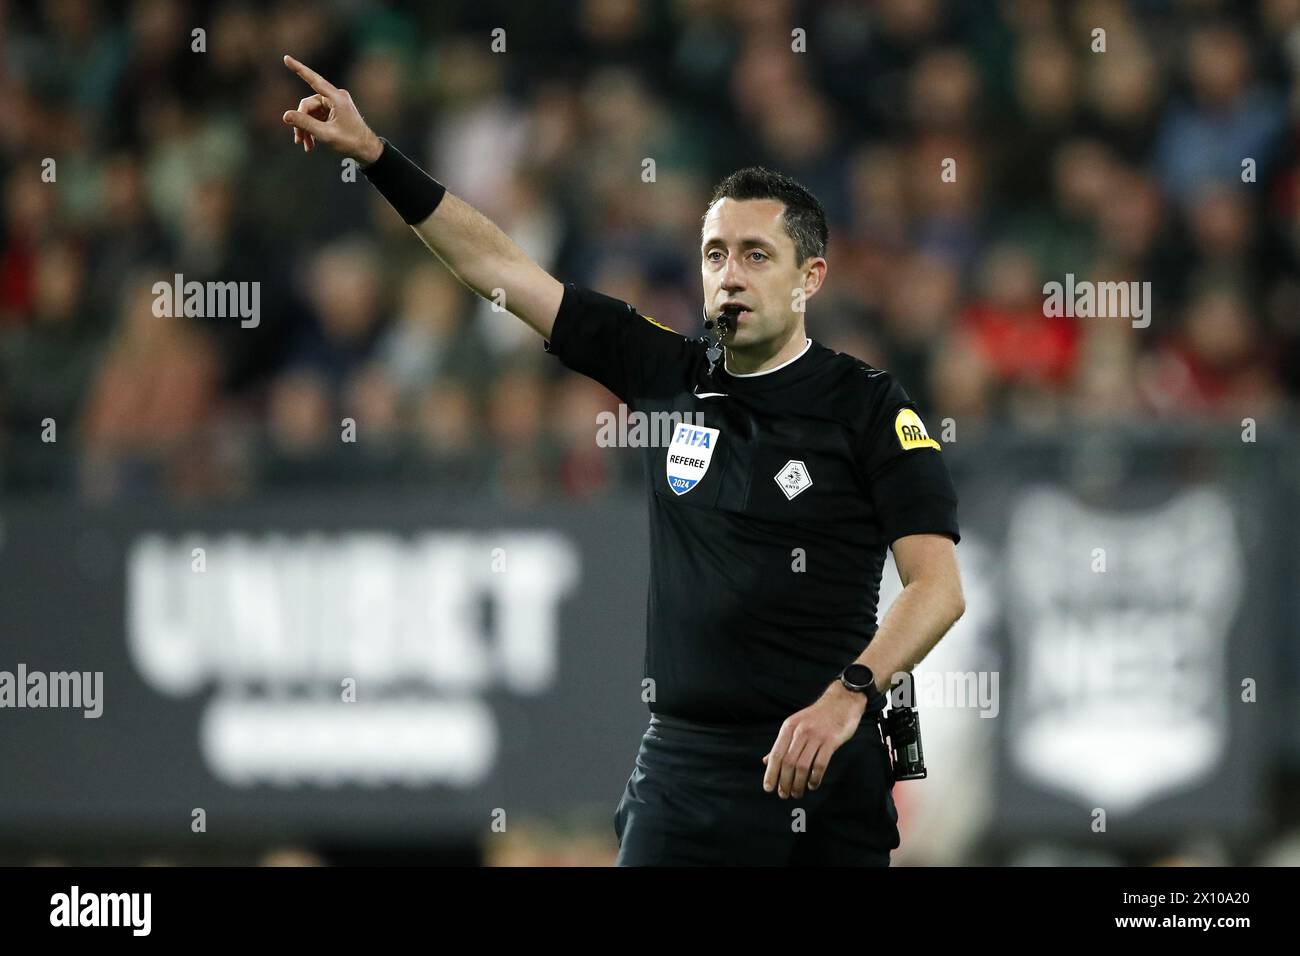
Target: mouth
736, 310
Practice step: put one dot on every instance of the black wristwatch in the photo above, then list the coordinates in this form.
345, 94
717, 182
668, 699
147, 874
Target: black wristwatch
859, 679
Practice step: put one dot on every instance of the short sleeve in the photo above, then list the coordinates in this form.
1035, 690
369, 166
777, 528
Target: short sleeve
606, 339
903, 467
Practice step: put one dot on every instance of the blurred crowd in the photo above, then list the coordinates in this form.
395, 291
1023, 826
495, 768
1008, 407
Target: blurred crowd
142, 139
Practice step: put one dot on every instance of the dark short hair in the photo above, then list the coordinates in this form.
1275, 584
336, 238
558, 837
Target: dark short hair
804, 219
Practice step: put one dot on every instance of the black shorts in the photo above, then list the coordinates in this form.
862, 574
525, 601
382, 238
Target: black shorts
696, 798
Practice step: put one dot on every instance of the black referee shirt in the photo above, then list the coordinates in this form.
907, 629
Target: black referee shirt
770, 512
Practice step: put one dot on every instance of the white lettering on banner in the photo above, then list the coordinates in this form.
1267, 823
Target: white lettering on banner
410, 742
1119, 676
276, 621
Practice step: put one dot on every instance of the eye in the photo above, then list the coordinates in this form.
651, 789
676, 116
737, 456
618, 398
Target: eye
713, 252
757, 253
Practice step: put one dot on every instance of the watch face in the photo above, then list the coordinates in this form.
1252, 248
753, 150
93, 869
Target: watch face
858, 674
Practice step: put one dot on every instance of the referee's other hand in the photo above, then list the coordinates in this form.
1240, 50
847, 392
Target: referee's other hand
807, 740
330, 117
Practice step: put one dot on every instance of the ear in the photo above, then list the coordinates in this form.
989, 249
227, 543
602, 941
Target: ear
814, 273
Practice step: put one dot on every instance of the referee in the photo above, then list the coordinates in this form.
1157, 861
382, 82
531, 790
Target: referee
769, 520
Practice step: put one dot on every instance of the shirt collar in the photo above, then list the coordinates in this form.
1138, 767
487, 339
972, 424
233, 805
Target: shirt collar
767, 371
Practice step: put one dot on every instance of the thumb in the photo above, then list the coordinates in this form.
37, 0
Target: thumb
304, 122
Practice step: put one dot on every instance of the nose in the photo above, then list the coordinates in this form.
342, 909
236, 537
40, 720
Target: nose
733, 279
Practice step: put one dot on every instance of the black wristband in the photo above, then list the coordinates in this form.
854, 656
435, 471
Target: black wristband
408, 188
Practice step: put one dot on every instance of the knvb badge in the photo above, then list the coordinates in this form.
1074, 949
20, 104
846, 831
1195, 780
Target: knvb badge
689, 456
793, 479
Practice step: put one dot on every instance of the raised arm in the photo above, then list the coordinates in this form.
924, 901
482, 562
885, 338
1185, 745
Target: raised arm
476, 251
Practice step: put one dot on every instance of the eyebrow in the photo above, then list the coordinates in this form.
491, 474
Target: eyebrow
744, 242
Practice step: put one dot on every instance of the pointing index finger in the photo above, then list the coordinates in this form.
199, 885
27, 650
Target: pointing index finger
314, 79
